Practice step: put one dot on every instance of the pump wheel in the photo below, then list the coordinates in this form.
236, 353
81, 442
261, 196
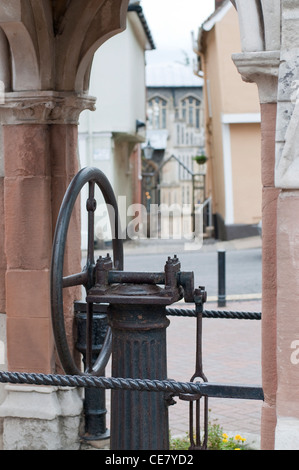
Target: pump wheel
86, 278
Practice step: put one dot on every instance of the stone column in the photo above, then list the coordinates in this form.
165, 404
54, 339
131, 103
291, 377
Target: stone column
262, 68
40, 159
46, 52
287, 178
278, 28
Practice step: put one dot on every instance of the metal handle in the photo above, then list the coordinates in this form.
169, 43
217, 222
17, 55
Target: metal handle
86, 278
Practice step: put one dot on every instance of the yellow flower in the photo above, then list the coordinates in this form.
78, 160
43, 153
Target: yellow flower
243, 439
225, 436
224, 440
237, 449
238, 437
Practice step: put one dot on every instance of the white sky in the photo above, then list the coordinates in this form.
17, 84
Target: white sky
171, 23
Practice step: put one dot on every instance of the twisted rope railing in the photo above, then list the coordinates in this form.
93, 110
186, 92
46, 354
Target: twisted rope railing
169, 386
189, 312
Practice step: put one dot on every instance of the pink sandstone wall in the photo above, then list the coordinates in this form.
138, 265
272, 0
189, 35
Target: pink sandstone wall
2, 251
39, 162
269, 308
287, 302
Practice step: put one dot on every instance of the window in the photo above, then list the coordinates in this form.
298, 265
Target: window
157, 113
190, 111
178, 134
185, 175
185, 194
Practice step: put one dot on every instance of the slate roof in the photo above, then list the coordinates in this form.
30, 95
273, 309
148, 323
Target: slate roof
171, 75
134, 6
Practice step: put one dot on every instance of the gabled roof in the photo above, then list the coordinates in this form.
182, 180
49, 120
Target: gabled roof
212, 20
171, 75
217, 15
134, 6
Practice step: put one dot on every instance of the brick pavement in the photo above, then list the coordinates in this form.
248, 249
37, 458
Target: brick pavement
231, 355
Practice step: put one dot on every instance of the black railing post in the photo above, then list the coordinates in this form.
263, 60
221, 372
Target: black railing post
221, 279
94, 398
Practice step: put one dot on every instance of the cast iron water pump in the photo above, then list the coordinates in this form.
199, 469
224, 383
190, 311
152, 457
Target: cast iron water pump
137, 319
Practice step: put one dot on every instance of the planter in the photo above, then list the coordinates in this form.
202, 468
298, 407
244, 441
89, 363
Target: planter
200, 159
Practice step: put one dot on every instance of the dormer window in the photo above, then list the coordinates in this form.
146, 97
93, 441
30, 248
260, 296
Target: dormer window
190, 111
157, 113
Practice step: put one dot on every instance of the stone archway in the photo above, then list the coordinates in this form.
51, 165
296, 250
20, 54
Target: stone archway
270, 58
46, 52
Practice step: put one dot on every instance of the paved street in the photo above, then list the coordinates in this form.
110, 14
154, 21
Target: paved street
231, 348
243, 265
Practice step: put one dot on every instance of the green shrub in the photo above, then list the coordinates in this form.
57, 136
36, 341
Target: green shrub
217, 440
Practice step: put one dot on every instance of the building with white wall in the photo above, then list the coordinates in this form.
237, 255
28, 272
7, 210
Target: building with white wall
110, 137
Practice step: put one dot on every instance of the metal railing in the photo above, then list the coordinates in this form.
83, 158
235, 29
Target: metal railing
192, 391
169, 386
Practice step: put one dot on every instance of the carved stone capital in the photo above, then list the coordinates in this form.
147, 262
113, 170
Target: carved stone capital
261, 68
44, 107
49, 45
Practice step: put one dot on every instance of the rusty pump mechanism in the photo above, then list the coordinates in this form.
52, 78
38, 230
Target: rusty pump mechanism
137, 317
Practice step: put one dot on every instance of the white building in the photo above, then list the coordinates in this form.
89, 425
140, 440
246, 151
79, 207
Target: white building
175, 130
110, 137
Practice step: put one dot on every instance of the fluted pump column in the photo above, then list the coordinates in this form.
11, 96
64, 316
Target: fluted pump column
139, 419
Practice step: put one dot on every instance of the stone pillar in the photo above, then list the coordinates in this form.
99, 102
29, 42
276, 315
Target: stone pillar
40, 160
287, 178
262, 68
259, 62
46, 52
269, 276
276, 28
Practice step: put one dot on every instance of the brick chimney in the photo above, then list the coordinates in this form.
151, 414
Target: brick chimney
218, 3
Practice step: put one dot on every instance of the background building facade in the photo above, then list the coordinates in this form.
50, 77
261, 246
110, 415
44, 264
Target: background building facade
232, 125
175, 131
110, 137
